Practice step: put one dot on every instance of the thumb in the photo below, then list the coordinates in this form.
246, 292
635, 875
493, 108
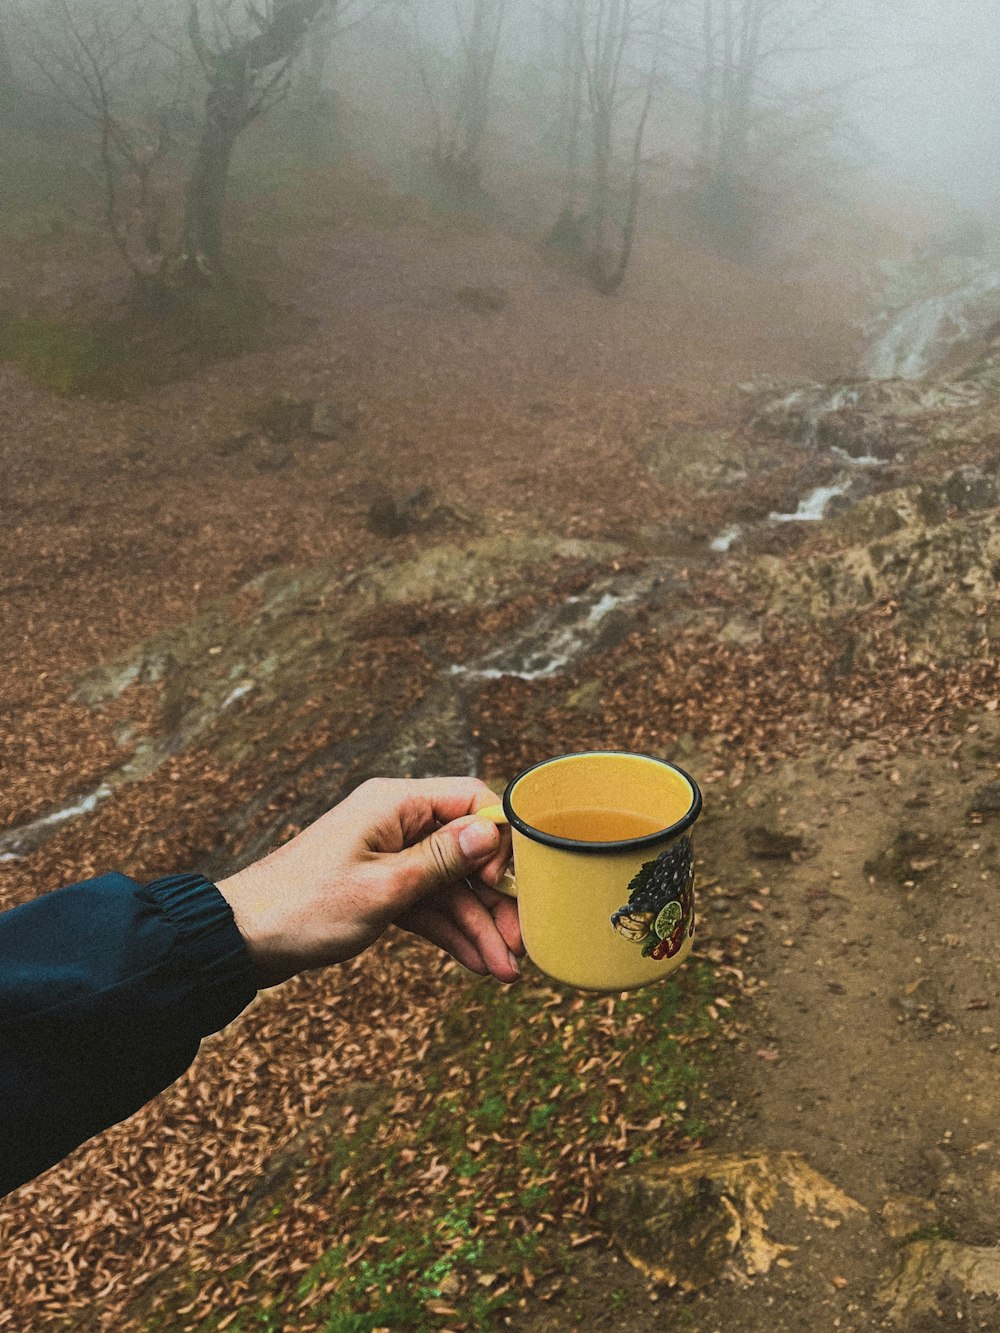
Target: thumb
449, 854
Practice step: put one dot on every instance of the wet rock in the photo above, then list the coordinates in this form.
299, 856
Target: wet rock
772, 844
328, 422
986, 800
926, 333
940, 575
879, 516
416, 512
967, 488
933, 1277
588, 622
470, 572
708, 460
864, 418
690, 1222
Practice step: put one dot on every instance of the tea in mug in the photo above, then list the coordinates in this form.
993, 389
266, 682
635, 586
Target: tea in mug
599, 825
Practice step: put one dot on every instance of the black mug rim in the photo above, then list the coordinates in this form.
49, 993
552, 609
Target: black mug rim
602, 848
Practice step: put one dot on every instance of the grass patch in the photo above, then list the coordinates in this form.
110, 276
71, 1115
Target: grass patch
932, 1231
155, 341
488, 1161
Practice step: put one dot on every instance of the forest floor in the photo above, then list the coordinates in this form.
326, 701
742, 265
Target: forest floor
842, 999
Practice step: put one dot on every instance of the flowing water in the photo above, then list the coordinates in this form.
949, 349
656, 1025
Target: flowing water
559, 635
916, 340
812, 507
919, 338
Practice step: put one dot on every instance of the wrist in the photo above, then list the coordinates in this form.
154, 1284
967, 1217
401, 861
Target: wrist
257, 904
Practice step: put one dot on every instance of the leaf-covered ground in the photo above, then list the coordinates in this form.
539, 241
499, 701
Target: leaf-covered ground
393, 1145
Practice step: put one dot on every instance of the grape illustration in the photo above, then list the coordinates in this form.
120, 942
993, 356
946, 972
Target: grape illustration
659, 913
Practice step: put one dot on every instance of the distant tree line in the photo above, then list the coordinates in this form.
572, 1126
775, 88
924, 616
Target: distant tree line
622, 84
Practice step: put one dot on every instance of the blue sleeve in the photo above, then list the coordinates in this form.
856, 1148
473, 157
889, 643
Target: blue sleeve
106, 989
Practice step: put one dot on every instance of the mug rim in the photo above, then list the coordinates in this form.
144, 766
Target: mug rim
602, 848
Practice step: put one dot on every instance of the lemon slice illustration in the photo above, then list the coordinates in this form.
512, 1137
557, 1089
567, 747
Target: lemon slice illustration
668, 920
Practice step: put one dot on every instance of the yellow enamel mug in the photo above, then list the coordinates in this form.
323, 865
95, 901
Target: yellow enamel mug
603, 866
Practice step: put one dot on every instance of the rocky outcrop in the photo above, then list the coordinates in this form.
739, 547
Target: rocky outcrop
709, 460
865, 417
927, 553
933, 1277
688, 1223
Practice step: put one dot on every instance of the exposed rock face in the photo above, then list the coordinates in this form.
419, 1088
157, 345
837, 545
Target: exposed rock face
938, 569
233, 670
687, 1223
864, 417
932, 1275
707, 459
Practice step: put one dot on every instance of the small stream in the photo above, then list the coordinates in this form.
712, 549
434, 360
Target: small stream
919, 338
18, 842
560, 635
21, 840
916, 339
811, 508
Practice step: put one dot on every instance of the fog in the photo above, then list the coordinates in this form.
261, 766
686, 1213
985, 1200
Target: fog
425, 390
927, 104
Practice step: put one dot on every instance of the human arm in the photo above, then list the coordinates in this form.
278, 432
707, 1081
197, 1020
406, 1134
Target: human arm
107, 987
403, 851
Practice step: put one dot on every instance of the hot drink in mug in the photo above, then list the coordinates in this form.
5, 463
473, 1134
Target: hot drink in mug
604, 867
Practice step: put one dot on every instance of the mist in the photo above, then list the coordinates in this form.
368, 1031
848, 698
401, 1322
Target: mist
500, 692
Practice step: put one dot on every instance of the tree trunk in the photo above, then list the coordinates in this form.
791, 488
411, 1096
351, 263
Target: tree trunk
241, 88
709, 108
6, 64
573, 95
316, 105
600, 181
201, 244
461, 163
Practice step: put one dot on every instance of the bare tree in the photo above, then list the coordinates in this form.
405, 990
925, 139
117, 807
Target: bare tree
95, 57
612, 71
460, 114
564, 34
315, 105
6, 64
750, 118
247, 70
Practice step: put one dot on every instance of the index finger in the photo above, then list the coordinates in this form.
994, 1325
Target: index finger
416, 806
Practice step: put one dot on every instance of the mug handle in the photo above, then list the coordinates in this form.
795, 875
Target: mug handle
495, 814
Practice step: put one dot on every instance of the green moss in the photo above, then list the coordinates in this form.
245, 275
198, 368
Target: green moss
932, 1231
512, 1105
164, 336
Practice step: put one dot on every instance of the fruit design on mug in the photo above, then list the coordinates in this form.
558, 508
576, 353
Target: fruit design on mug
659, 913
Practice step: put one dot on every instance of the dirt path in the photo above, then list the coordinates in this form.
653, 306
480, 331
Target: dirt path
871, 1046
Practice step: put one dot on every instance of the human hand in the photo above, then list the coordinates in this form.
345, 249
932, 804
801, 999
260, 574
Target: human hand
403, 851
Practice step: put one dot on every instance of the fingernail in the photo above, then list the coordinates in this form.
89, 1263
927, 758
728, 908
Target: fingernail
478, 839
515, 964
